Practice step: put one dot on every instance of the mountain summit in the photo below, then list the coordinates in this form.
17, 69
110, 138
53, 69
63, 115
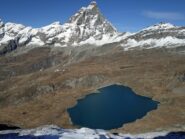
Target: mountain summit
87, 27
160, 26
92, 9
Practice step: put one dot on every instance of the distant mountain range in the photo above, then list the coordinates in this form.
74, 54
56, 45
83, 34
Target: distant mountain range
88, 26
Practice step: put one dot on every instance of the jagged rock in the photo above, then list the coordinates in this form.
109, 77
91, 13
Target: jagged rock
163, 35
10, 46
181, 77
87, 26
45, 89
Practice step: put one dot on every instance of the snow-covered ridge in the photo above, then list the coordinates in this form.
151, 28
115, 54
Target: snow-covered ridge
168, 42
88, 25
159, 26
156, 36
83, 133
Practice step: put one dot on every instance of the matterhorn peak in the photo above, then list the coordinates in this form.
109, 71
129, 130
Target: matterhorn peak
92, 18
85, 12
89, 25
92, 5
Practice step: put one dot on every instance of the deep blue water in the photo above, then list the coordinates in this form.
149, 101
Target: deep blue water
7, 127
173, 135
16, 136
115, 106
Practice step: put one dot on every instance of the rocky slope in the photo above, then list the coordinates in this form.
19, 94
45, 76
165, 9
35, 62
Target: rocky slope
37, 87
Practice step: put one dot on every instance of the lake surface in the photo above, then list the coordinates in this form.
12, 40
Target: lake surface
111, 108
7, 127
16, 136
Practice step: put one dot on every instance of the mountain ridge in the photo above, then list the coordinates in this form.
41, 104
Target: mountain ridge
87, 26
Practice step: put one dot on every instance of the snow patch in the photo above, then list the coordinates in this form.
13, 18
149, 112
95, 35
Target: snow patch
160, 26
5, 40
92, 5
35, 41
168, 42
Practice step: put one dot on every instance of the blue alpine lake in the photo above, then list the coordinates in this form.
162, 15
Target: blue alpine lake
112, 107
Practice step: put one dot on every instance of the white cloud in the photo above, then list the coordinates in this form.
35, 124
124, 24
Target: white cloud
164, 15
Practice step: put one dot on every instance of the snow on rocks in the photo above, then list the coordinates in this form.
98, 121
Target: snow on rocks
83, 133
168, 42
160, 26
156, 36
89, 26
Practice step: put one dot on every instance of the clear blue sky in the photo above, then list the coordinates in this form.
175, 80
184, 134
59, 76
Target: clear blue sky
126, 15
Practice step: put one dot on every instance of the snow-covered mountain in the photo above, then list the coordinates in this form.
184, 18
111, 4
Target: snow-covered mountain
88, 26
159, 35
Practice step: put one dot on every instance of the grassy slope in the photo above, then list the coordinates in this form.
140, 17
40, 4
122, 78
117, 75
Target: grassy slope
34, 91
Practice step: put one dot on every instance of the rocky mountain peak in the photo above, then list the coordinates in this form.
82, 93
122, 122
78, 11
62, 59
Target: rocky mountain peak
82, 15
92, 19
163, 25
160, 26
87, 26
92, 5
